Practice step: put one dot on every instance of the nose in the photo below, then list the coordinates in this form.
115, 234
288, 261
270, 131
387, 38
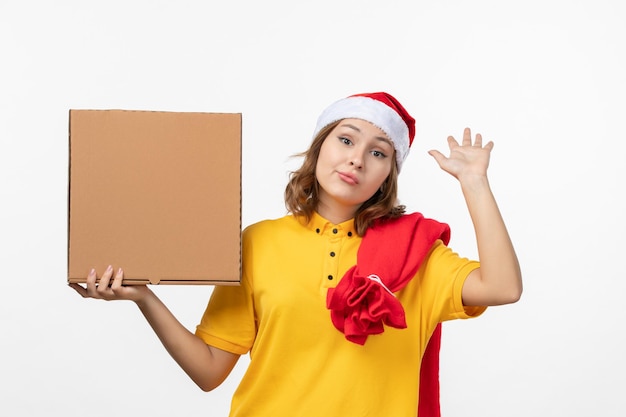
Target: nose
356, 163
356, 160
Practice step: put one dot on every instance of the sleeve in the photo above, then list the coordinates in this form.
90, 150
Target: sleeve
442, 276
229, 321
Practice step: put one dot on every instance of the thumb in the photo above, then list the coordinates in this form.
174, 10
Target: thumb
439, 157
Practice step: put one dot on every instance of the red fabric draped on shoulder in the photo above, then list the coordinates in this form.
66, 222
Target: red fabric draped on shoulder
389, 256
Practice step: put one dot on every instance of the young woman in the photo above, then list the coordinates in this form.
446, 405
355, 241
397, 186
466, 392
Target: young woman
339, 299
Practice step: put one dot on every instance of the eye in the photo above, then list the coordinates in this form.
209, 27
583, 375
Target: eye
379, 154
345, 141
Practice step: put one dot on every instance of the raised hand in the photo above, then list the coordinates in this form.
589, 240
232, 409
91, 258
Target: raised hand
466, 159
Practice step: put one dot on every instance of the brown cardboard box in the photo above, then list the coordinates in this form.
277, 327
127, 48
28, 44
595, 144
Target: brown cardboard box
156, 193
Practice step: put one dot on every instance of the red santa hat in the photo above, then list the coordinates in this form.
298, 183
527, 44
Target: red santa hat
380, 109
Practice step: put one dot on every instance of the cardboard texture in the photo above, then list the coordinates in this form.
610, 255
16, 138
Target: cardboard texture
156, 193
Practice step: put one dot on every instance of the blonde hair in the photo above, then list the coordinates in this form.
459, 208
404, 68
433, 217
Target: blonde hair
302, 191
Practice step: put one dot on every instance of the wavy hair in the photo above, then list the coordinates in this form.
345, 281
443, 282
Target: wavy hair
302, 191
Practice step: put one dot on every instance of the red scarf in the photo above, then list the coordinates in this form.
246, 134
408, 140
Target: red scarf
389, 256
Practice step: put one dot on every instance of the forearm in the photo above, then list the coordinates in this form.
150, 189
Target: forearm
206, 365
500, 275
189, 351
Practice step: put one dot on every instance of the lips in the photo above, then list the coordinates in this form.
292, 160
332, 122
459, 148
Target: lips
348, 178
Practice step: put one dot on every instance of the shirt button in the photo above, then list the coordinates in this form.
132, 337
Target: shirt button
349, 233
317, 230
332, 254
335, 231
330, 277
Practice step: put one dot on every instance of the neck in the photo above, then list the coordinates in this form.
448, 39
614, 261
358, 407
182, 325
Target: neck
336, 215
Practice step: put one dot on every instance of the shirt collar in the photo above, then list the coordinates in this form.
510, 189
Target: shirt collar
321, 226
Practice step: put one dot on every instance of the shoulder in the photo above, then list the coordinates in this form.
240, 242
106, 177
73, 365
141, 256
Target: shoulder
442, 261
408, 227
270, 227
406, 219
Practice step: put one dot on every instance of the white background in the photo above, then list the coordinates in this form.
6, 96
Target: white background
545, 80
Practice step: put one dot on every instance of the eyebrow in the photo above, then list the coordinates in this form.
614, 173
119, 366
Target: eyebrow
381, 138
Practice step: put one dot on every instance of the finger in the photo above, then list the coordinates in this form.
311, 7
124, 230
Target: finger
439, 157
117, 281
103, 285
479, 140
452, 143
91, 284
467, 137
489, 146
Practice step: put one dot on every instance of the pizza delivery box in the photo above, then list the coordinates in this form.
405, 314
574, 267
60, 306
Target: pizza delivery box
157, 194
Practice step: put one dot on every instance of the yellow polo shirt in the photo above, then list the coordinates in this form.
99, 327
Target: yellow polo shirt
300, 364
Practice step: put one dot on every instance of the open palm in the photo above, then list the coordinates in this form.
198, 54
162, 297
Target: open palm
466, 159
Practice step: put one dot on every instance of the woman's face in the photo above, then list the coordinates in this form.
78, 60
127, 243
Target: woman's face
354, 161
